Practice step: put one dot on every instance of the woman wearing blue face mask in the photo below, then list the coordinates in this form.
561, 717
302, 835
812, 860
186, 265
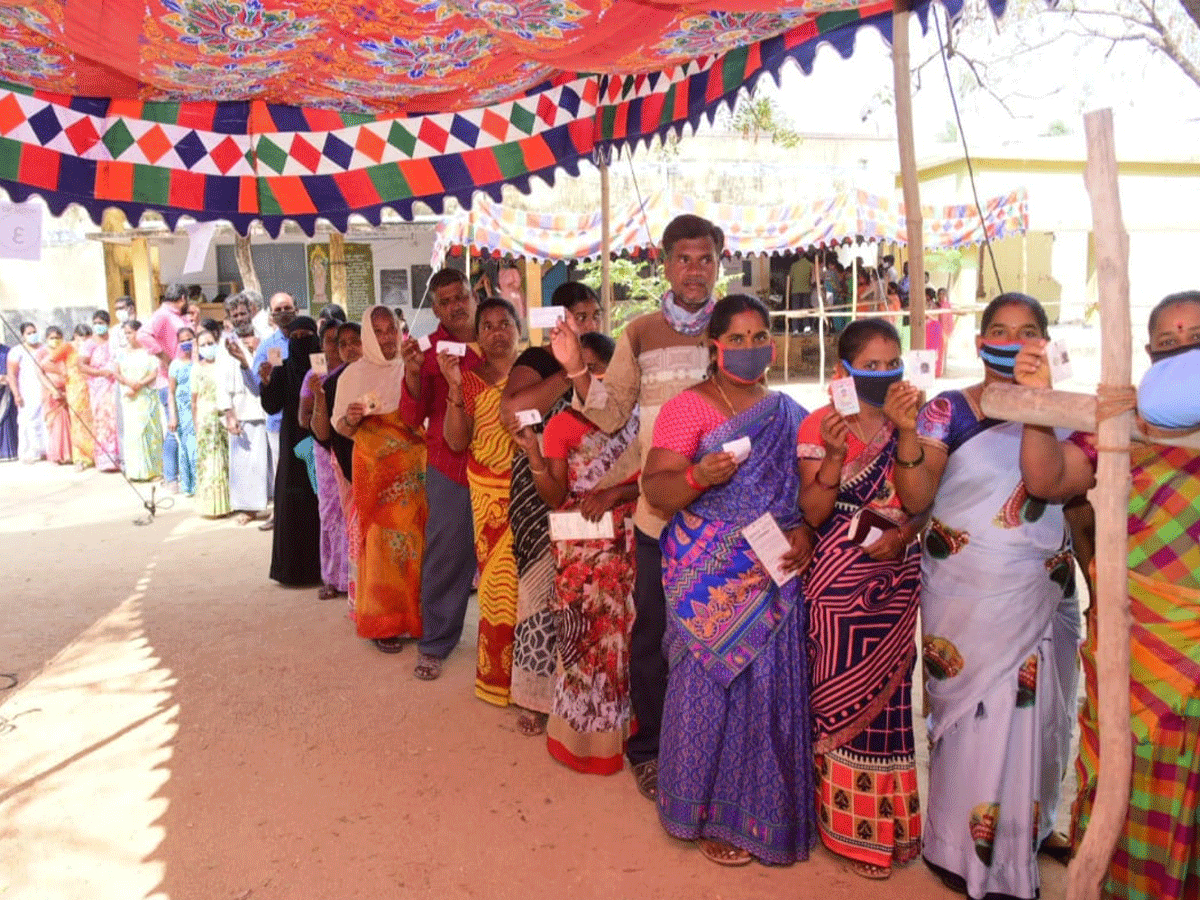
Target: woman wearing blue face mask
1000, 621
1157, 853
864, 579
179, 409
212, 442
735, 754
99, 367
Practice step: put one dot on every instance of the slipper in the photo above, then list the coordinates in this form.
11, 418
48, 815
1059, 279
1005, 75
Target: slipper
724, 854
428, 668
389, 644
328, 592
267, 525
646, 776
1057, 847
867, 870
532, 724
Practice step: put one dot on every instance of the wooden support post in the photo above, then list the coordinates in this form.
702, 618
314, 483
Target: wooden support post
113, 222
533, 296
145, 301
337, 271
908, 173
245, 264
606, 292
854, 289
1110, 499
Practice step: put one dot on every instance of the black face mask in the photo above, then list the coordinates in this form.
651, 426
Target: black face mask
872, 386
1160, 355
1001, 358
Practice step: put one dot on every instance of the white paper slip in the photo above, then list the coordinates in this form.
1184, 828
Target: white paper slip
546, 316
920, 368
769, 544
845, 397
454, 348
318, 363
572, 526
528, 417
424, 342
740, 449
275, 356
1059, 359
370, 402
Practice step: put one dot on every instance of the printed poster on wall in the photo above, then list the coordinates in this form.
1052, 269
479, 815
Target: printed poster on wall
360, 278
393, 288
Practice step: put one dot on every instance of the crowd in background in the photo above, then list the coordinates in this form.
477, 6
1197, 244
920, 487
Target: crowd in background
680, 569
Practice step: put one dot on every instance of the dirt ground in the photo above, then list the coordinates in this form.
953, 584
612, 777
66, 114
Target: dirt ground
183, 728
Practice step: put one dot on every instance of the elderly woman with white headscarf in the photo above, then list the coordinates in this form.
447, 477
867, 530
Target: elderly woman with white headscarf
387, 527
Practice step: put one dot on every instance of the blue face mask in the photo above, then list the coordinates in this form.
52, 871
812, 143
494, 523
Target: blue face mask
186, 347
100, 329
208, 352
745, 365
34, 339
1167, 396
1001, 358
872, 385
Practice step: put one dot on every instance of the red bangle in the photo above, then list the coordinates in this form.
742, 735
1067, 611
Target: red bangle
690, 476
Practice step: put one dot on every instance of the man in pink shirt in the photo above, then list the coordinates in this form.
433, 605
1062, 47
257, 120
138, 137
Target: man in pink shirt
160, 335
448, 568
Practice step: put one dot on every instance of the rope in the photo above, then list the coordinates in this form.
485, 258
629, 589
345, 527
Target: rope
987, 241
151, 506
1113, 400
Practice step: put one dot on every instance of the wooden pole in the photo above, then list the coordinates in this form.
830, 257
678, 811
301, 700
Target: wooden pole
820, 325
245, 264
1110, 499
606, 295
854, 289
337, 272
908, 174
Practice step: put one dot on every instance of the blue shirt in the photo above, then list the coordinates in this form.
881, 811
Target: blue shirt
254, 383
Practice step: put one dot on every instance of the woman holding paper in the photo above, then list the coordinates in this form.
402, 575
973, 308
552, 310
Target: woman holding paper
1000, 621
589, 472
473, 423
864, 580
386, 527
211, 441
735, 756
538, 383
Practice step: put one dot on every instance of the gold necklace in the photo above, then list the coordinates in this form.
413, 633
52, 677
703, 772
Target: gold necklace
724, 396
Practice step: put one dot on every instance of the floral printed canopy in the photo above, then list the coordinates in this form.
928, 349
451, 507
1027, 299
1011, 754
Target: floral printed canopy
290, 109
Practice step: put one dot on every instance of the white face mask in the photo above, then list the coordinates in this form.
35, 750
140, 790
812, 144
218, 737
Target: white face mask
123, 315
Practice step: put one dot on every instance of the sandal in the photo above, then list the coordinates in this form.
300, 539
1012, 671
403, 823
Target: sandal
646, 776
328, 592
428, 668
267, 525
389, 644
724, 854
532, 724
866, 870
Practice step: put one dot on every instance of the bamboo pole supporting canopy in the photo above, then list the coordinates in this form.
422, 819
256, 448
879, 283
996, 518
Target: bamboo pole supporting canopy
606, 293
1110, 498
908, 173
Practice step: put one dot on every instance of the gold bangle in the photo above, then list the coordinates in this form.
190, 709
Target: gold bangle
911, 464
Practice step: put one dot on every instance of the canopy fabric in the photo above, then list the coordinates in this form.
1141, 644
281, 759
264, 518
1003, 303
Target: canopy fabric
749, 230
272, 110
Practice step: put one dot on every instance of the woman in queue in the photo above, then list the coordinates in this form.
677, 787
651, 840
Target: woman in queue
141, 424
98, 365
583, 469
473, 423
1000, 621
211, 442
538, 382
735, 757
315, 416
389, 509
1157, 853
862, 589
53, 371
